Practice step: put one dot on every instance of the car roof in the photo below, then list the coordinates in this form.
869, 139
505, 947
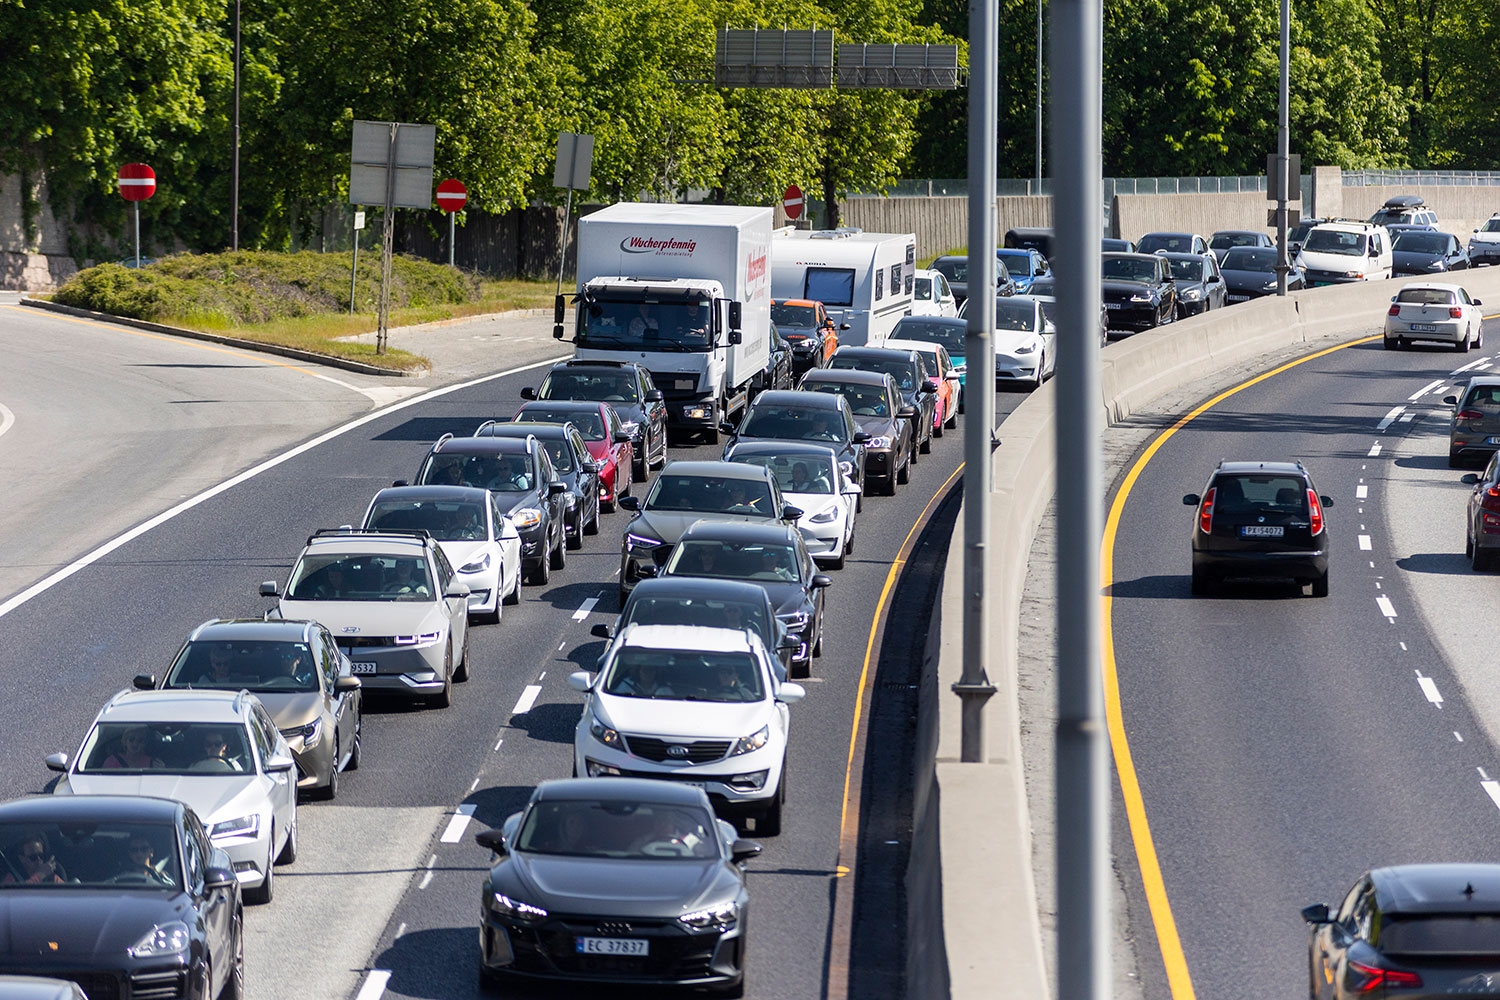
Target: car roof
1468, 887
543, 430
695, 637
922, 346
251, 630
721, 470
795, 302
472, 494
1236, 232
798, 398
483, 445
566, 405
377, 542
1483, 380
869, 352
51, 808
1167, 232
176, 705
1281, 468
594, 363
941, 320
1122, 255
1348, 225
1179, 255
852, 376
787, 448
700, 588
739, 531
619, 790
1438, 285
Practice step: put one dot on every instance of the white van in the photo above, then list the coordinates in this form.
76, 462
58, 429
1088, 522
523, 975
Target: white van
1342, 251
863, 279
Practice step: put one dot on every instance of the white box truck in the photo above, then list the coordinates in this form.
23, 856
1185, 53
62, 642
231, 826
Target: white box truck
684, 290
863, 279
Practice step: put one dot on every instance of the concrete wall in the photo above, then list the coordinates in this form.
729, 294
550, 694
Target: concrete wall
1459, 209
1137, 214
39, 260
991, 930
941, 223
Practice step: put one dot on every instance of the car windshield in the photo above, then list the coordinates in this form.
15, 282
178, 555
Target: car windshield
716, 559
1260, 261
320, 577
684, 675
1185, 270
1426, 296
1013, 315
864, 400
590, 423
681, 324
794, 423
1334, 241
1170, 242
1492, 226
618, 829
796, 474
802, 317
445, 520
953, 336
1016, 263
501, 473
1299, 232
1129, 269
83, 852
1223, 241
922, 290
252, 664
711, 495
171, 747
953, 268
898, 368
1420, 242
602, 385
1259, 494
708, 612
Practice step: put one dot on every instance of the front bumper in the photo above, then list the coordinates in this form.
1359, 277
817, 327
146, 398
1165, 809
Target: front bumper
693, 413
1017, 367
729, 781
313, 762
1314, 278
1484, 253
880, 463
248, 855
534, 544
484, 589
158, 977
640, 563
823, 541
416, 669
1131, 315
1193, 307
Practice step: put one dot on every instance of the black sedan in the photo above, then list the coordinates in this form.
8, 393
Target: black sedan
778, 374
1138, 291
918, 386
880, 413
1250, 272
572, 463
1226, 240
616, 880
123, 895
627, 387
1417, 252
1411, 931
955, 267
804, 416
1200, 286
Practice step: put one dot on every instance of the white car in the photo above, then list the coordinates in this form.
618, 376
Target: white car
931, 295
1484, 245
689, 703
468, 525
216, 751
394, 604
1431, 311
812, 481
1025, 343
1335, 253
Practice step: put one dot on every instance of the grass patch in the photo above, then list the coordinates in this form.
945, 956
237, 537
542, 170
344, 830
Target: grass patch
295, 300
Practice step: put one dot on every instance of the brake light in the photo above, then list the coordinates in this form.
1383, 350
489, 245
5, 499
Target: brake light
1375, 979
1206, 511
1316, 509
1469, 415
1455, 313
1395, 310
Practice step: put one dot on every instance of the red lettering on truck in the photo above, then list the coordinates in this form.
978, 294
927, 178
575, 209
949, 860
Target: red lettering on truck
755, 269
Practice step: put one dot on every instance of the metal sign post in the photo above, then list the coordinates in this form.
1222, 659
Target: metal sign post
575, 161
391, 166
359, 223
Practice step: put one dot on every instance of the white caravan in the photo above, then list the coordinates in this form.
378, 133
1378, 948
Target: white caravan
863, 279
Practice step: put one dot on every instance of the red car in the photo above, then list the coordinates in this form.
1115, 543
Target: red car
608, 442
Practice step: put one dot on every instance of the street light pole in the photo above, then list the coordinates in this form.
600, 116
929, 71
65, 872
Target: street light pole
234, 170
1039, 43
1283, 146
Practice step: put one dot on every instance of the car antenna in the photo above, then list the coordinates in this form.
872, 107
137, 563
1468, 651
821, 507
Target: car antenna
1469, 890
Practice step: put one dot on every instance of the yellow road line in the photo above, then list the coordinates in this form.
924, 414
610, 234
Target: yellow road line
1178, 978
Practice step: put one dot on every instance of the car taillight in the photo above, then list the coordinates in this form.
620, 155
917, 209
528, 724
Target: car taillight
1490, 499
1316, 509
1469, 415
1395, 311
1455, 312
1374, 979
1206, 511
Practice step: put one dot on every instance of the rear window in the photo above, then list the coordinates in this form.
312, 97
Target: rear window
1441, 934
1252, 493
956, 269
1483, 395
1426, 296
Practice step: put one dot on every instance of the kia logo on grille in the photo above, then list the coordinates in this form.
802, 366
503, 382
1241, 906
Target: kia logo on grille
677, 752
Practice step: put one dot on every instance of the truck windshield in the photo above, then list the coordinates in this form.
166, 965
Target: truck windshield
684, 325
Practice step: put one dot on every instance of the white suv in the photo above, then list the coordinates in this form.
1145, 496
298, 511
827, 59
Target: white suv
1338, 252
692, 704
1484, 245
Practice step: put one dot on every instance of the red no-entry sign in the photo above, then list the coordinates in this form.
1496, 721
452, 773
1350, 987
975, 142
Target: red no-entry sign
791, 201
452, 195
137, 182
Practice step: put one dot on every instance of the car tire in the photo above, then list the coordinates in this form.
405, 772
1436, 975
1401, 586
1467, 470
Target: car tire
1468, 547
541, 574
559, 556
903, 475
732, 991
1390, 343
768, 823
461, 672
1462, 347
1320, 585
575, 540
289, 850
938, 425
359, 736
234, 986
592, 527
514, 597
1454, 459
1482, 561
330, 791
817, 649
926, 446
849, 545
953, 414
266, 891
839, 562
444, 698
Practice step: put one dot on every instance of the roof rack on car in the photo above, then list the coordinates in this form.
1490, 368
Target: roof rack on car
597, 361
438, 444
484, 428
346, 532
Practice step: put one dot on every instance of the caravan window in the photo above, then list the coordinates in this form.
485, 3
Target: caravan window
832, 286
895, 279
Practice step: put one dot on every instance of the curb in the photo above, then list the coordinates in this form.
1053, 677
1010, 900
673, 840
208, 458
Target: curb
325, 360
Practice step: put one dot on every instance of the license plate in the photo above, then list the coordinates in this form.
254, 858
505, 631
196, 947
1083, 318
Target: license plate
1238, 298
632, 947
1492, 440
1423, 328
362, 667
1112, 305
1262, 531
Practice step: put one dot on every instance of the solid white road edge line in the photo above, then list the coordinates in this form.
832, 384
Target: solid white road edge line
7, 418
1429, 688
1386, 607
1425, 389
458, 823
1389, 418
585, 608
527, 699
48, 582
373, 987
1492, 789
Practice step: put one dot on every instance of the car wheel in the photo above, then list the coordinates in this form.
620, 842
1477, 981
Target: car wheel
1462, 347
461, 672
575, 540
938, 425
359, 736
1482, 560
1454, 460
514, 597
1390, 343
266, 891
817, 649
953, 414
903, 475
560, 553
444, 698
541, 574
592, 527
289, 849
768, 823
734, 990
849, 543
1320, 585
839, 562
1468, 547
926, 446
329, 791
234, 986
624, 596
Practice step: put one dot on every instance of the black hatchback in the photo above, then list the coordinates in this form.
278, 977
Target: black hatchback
1261, 520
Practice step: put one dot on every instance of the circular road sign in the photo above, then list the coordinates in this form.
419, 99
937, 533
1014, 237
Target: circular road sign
137, 182
452, 195
791, 202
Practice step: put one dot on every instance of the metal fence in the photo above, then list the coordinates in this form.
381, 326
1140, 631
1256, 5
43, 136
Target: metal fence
1421, 178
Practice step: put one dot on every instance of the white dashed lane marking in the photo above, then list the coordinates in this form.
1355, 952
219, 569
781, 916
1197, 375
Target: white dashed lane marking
1492, 789
1390, 417
585, 608
1364, 542
1386, 607
1429, 688
1425, 389
1374, 450
527, 699
1361, 492
373, 987
458, 823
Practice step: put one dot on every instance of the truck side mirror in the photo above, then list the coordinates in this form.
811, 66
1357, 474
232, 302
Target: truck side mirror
735, 337
734, 317
559, 307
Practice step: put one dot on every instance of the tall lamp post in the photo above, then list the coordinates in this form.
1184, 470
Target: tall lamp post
1038, 98
234, 170
1283, 147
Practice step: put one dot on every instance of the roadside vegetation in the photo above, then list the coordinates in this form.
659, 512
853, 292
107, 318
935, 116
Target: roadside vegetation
295, 300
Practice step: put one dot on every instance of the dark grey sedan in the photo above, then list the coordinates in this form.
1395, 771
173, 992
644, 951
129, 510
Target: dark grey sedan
1250, 272
1200, 286
880, 412
616, 880
1419, 252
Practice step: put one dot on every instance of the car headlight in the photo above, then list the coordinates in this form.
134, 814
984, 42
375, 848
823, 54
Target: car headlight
162, 940
1027, 348
630, 426
636, 541
525, 913
476, 565
1354, 274
1436, 265
826, 515
1269, 286
724, 915
879, 441
425, 639
753, 742
1192, 294
609, 737
240, 826
308, 733
796, 621
526, 517
847, 468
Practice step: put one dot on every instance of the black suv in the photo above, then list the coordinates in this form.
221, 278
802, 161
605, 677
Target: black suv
627, 387
917, 385
520, 475
1262, 520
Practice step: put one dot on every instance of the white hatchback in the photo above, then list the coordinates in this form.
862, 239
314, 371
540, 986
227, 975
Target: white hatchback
690, 704
1437, 312
931, 295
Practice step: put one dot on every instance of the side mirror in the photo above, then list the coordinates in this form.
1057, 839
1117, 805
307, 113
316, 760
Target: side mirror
645, 571
580, 680
1451, 400
654, 396
1317, 914
906, 412
57, 762
743, 850
790, 642
278, 764
529, 392
1192, 500
1469, 479
630, 503
401, 482
346, 684
727, 427
860, 437
458, 591
1374, 252
491, 839
215, 877
791, 693
736, 338
603, 630
931, 385
268, 588
144, 682
556, 489
853, 489
1326, 501
559, 307
593, 467
822, 580
621, 437
790, 513
846, 326
735, 312
1476, 302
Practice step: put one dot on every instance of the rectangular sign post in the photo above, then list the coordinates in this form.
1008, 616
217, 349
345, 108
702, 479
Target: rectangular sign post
391, 166
575, 160
359, 223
